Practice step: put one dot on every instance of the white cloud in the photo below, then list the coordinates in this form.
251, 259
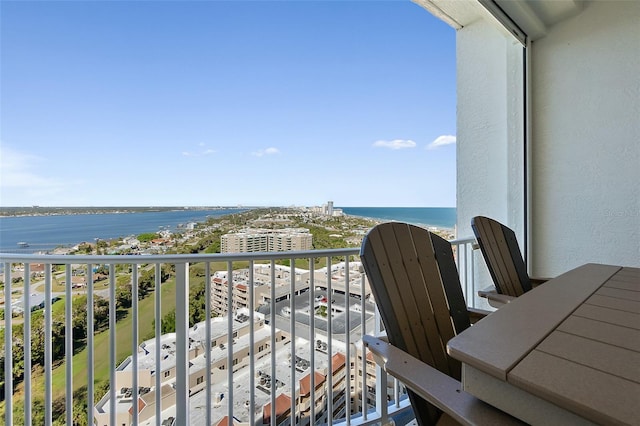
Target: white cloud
22, 182
442, 141
268, 151
395, 144
17, 171
201, 153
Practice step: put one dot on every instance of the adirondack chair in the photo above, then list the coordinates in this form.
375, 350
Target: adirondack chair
416, 286
503, 257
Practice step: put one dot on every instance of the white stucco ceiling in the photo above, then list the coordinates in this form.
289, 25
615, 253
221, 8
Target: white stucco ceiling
534, 17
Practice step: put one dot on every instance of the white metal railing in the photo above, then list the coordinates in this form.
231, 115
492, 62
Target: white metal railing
280, 304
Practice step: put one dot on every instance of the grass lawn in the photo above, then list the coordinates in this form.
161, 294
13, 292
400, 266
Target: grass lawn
123, 342
57, 285
101, 349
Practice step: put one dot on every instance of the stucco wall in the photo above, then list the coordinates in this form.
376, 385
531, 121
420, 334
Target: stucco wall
586, 140
490, 153
489, 127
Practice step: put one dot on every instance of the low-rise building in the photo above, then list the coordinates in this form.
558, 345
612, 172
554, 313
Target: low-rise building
288, 379
147, 365
261, 286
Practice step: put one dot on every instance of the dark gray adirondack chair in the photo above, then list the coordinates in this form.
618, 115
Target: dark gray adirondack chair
503, 257
415, 283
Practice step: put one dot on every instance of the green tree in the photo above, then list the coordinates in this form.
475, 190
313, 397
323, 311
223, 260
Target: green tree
85, 248
101, 246
102, 269
123, 295
79, 317
168, 322
197, 304
147, 236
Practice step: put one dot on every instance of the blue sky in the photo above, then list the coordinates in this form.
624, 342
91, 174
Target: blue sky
110, 103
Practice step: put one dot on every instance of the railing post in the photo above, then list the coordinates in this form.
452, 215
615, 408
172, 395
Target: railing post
207, 345
26, 313
48, 360
112, 344
382, 405
134, 342
68, 344
158, 333
90, 348
182, 343
8, 346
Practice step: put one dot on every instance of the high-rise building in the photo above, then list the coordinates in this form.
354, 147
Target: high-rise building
262, 240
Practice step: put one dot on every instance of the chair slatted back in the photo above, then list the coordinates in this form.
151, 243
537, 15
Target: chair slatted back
502, 255
417, 289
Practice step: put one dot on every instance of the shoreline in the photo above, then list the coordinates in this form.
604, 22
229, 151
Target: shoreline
6, 212
422, 225
67, 230
41, 248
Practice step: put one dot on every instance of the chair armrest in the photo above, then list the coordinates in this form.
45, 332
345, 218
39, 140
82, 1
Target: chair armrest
537, 281
476, 314
437, 388
494, 298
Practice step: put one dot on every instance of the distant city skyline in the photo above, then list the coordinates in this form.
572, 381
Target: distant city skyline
226, 103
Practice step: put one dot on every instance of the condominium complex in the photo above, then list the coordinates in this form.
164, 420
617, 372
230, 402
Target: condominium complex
260, 281
289, 310
289, 378
262, 240
253, 289
147, 367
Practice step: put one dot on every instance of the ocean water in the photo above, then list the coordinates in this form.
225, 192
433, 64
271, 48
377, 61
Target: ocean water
439, 217
44, 233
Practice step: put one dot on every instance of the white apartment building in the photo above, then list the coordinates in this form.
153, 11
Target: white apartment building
261, 286
287, 383
343, 276
147, 365
261, 240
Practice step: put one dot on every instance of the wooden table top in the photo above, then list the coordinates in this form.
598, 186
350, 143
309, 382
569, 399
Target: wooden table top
573, 341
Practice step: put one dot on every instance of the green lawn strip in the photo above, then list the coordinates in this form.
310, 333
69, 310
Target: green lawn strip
57, 287
57, 309
146, 309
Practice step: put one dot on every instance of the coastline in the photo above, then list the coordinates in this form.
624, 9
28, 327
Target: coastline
450, 233
61, 211
44, 235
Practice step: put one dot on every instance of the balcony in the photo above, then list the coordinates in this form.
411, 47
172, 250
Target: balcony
571, 197
290, 350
